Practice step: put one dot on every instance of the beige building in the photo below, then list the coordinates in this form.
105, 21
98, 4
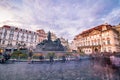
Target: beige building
103, 38
65, 43
41, 35
73, 45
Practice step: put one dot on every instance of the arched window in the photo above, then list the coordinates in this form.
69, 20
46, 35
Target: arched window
108, 41
98, 41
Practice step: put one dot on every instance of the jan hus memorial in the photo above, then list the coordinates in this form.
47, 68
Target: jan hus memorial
49, 45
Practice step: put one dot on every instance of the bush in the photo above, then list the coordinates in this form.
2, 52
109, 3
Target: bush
51, 54
23, 56
36, 56
18, 55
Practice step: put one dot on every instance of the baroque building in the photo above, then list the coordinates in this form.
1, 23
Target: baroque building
102, 38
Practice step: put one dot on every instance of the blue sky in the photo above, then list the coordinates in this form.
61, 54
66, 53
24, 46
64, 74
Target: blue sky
65, 18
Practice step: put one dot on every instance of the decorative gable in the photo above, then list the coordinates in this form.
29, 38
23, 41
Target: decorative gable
104, 28
95, 32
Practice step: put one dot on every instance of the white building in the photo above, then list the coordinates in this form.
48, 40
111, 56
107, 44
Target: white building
13, 37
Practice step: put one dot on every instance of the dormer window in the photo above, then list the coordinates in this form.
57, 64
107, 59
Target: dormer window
104, 28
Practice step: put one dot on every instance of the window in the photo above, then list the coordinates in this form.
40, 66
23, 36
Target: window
0, 41
89, 50
16, 43
92, 42
109, 49
108, 41
88, 43
98, 41
104, 49
3, 42
104, 42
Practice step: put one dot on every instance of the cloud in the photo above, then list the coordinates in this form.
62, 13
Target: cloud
66, 18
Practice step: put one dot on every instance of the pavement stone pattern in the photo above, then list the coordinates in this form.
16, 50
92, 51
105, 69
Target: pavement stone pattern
71, 70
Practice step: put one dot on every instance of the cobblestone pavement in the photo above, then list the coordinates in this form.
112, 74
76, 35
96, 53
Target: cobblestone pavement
71, 70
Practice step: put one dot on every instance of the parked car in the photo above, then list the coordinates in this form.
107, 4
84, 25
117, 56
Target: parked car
115, 60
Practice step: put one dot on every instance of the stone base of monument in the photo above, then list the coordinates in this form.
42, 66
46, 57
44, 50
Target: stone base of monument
57, 53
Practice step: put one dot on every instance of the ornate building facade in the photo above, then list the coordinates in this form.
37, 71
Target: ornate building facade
12, 37
103, 38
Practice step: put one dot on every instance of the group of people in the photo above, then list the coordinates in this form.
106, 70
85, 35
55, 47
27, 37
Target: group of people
5, 57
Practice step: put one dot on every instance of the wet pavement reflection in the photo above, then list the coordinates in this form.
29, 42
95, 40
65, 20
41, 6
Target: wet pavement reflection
71, 70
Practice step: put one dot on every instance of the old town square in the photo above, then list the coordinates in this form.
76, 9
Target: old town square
59, 40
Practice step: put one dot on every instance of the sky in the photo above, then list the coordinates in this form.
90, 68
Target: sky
66, 18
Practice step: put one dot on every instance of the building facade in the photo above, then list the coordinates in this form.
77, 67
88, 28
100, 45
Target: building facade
13, 38
65, 43
103, 38
41, 35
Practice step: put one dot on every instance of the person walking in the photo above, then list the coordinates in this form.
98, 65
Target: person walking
63, 58
30, 55
41, 57
51, 59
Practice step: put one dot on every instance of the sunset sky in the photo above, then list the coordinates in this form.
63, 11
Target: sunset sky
65, 18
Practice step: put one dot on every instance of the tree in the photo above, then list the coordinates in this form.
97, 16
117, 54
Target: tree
16, 54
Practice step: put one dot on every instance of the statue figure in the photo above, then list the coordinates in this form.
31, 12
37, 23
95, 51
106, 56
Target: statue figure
49, 45
49, 37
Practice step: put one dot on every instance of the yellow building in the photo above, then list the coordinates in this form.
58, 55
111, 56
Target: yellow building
103, 38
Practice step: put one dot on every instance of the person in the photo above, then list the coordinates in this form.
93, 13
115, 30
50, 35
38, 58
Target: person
63, 58
78, 57
5, 57
41, 57
30, 54
51, 59
2, 60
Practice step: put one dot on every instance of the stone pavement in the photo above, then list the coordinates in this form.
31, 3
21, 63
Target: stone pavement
71, 70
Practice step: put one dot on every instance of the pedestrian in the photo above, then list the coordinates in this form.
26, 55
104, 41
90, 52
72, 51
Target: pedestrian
78, 57
30, 55
5, 57
41, 57
51, 59
63, 58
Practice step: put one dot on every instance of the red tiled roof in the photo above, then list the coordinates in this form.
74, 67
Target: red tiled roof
6, 26
86, 32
